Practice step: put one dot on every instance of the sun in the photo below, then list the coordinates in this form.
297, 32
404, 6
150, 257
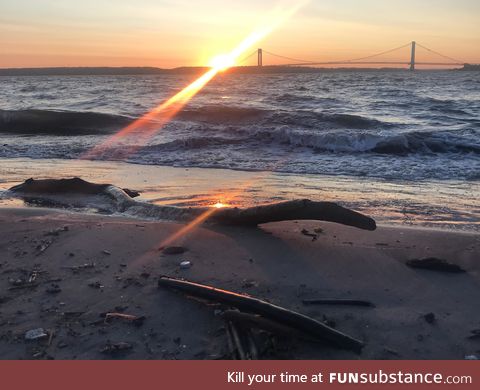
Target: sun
222, 62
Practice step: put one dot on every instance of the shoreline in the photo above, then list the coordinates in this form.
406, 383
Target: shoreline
447, 205
275, 262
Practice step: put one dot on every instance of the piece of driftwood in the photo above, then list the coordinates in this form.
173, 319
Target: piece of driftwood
279, 314
248, 320
74, 185
435, 264
60, 191
24, 286
230, 343
346, 302
240, 340
136, 320
303, 209
237, 341
252, 345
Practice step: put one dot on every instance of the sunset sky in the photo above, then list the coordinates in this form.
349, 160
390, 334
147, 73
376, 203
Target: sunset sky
169, 33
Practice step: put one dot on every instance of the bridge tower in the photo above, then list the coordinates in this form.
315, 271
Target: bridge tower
260, 57
412, 56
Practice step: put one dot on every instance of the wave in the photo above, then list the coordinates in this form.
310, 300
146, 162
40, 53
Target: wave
345, 141
70, 123
397, 144
219, 114
351, 142
59, 122
193, 143
227, 115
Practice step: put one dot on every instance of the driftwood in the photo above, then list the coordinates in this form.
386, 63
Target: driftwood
61, 191
235, 335
252, 346
303, 209
346, 302
247, 320
435, 264
279, 314
240, 341
64, 186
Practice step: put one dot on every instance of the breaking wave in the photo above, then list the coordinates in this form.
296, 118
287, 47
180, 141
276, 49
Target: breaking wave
421, 142
59, 122
67, 123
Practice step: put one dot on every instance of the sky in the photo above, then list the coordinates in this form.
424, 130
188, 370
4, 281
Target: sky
168, 33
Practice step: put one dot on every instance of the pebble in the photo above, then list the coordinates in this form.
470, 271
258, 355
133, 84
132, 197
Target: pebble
35, 334
471, 357
185, 264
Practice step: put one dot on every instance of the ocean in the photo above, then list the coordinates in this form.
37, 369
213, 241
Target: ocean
404, 146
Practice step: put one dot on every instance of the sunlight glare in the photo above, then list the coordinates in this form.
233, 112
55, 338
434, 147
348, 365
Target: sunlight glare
222, 62
149, 124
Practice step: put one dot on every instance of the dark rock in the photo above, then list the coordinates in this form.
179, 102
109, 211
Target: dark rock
435, 264
53, 289
430, 318
174, 250
95, 285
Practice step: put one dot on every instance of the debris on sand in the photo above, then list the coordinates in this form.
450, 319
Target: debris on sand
76, 268
435, 264
56, 232
333, 301
115, 348
185, 264
430, 318
53, 289
35, 334
24, 286
173, 250
96, 285
300, 209
475, 334
471, 357
135, 320
305, 232
283, 316
42, 247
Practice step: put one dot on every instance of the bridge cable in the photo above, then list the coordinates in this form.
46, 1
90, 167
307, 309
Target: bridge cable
352, 60
246, 58
284, 57
439, 54
379, 54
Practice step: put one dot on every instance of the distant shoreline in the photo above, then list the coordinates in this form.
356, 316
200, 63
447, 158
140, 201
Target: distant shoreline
119, 71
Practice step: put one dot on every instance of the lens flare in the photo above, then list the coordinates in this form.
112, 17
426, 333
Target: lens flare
152, 122
222, 62
145, 127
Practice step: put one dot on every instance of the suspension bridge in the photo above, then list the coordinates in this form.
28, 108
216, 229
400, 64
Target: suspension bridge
373, 59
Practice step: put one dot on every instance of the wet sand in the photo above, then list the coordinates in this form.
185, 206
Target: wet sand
81, 266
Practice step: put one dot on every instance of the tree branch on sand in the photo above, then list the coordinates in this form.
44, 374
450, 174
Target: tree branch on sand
275, 313
121, 200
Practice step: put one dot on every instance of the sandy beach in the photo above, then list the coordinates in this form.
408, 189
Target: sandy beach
63, 271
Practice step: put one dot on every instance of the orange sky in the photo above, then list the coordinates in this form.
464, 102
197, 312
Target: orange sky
168, 33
